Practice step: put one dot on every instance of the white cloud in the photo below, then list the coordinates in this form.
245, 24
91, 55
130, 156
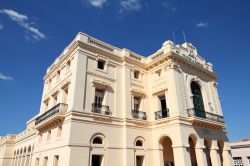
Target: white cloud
168, 5
97, 3
1, 26
23, 21
4, 77
202, 24
130, 5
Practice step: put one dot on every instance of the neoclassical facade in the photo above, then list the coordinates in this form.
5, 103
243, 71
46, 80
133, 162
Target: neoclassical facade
106, 106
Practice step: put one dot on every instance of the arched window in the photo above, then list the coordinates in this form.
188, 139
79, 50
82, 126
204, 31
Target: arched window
198, 100
138, 143
97, 140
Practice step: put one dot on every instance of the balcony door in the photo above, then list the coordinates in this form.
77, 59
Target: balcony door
99, 95
163, 105
137, 102
198, 100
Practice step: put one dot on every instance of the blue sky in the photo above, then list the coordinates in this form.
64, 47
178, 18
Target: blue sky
33, 33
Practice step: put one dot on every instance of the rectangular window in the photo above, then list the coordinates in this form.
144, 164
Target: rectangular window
136, 74
248, 158
238, 161
158, 73
37, 162
137, 102
96, 160
68, 64
139, 160
65, 95
56, 160
163, 103
45, 105
58, 74
100, 64
99, 95
45, 161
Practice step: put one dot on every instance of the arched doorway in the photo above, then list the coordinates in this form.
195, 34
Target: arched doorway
168, 154
207, 144
192, 142
198, 100
220, 151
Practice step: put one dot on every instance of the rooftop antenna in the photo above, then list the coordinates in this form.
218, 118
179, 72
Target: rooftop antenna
184, 36
174, 37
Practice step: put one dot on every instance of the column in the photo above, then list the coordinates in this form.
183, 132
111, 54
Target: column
181, 156
200, 156
215, 158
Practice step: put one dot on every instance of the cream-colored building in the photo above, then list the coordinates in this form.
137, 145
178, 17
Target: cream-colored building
241, 152
106, 106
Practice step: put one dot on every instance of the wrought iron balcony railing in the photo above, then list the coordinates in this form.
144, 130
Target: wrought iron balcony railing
57, 109
205, 115
139, 115
101, 109
162, 114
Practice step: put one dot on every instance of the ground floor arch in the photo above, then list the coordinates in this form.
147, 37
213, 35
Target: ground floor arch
192, 143
167, 149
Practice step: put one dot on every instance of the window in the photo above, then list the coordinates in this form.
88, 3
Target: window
55, 98
45, 105
99, 95
163, 103
65, 95
238, 161
45, 161
198, 100
138, 143
56, 160
97, 140
136, 74
137, 102
68, 64
58, 74
139, 160
100, 64
49, 83
96, 160
158, 73
59, 131
37, 162
248, 158
48, 135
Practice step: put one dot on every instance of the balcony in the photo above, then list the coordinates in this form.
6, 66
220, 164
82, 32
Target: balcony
52, 115
207, 116
139, 115
101, 109
162, 114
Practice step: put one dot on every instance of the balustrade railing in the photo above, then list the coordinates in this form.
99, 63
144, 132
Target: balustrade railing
101, 109
139, 115
205, 115
57, 109
162, 114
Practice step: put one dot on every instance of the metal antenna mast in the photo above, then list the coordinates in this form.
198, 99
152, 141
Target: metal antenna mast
184, 36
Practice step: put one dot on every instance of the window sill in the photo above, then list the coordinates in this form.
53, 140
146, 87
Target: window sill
103, 71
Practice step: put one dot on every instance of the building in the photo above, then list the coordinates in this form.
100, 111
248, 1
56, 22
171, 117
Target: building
241, 152
105, 106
